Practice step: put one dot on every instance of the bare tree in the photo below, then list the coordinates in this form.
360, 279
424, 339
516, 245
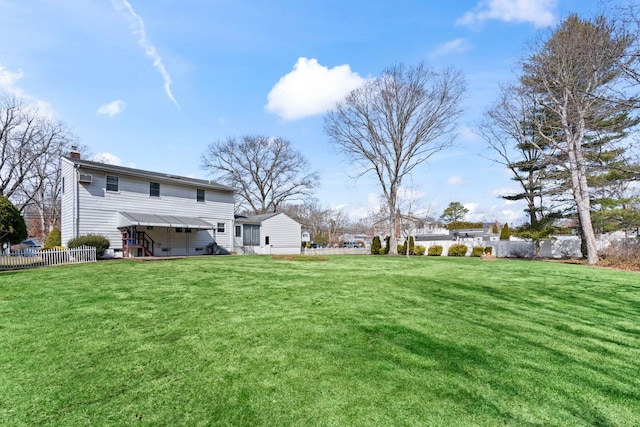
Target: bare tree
338, 223
312, 216
409, 207
572, 77
31, 144
266, 172
394, 123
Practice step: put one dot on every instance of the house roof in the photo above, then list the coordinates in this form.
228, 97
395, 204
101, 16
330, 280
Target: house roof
255, 219
104, 167
154, 220
433, 237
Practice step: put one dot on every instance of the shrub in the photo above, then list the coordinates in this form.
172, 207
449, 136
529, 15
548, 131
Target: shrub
477, 251
53, 239
376, 245
402, 250
419, 250
488, 250
382, 251
505, 234
435, 250
457, 250
97, 241
388, 244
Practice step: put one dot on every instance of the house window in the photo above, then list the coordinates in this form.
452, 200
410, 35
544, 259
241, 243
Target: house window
200, 195
238, 231
63, 185
251, 235
112, 183
221, 227
187, 230
178, 229
154, 189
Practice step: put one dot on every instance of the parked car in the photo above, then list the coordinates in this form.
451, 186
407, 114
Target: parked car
27, 247
350, 245
316, 246
32, 243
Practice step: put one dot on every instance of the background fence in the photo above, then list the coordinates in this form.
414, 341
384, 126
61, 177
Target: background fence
32, 258
558, 247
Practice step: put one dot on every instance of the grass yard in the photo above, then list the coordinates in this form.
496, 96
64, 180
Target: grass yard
348, 341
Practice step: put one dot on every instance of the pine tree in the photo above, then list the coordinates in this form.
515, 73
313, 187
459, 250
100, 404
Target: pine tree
12, 226
505, 234
53, 239
376, 245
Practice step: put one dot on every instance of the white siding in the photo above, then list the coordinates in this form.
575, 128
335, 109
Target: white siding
283, 233
67, 202
99, 209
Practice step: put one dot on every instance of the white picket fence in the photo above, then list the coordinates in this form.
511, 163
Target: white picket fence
32, 258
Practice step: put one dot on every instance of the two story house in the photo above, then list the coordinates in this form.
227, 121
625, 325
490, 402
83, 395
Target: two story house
145, 213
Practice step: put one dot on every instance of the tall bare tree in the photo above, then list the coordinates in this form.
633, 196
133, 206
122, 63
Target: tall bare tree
31, 144
266, 172
394, 123
572, 77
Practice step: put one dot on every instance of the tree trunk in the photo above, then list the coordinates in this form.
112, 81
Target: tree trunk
580, 191
393, 242
393, 219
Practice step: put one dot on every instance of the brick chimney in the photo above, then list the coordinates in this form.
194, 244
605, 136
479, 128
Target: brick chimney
74, 153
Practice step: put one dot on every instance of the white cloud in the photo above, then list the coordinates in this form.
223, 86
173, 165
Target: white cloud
504, 212
467, 134
456, 180
113, 108
362, 209
459, 45
505, 191
137, 27
513, 217
538, 12
410, 195
8, 80
311, 89
107, 158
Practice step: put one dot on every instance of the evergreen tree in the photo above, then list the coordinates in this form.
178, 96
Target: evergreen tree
454, 212
53, 239
376, 245
12, 226
505, 234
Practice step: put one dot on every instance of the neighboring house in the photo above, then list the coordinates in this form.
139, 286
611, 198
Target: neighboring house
272, 233
412, 226
145, 213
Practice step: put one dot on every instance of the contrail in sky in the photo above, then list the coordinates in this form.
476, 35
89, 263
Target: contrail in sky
137, 27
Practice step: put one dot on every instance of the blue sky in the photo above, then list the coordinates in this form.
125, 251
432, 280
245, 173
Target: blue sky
151, 83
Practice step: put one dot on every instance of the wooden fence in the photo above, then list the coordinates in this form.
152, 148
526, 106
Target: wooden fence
32, 258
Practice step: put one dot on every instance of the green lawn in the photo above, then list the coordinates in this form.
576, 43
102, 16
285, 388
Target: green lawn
360, 340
